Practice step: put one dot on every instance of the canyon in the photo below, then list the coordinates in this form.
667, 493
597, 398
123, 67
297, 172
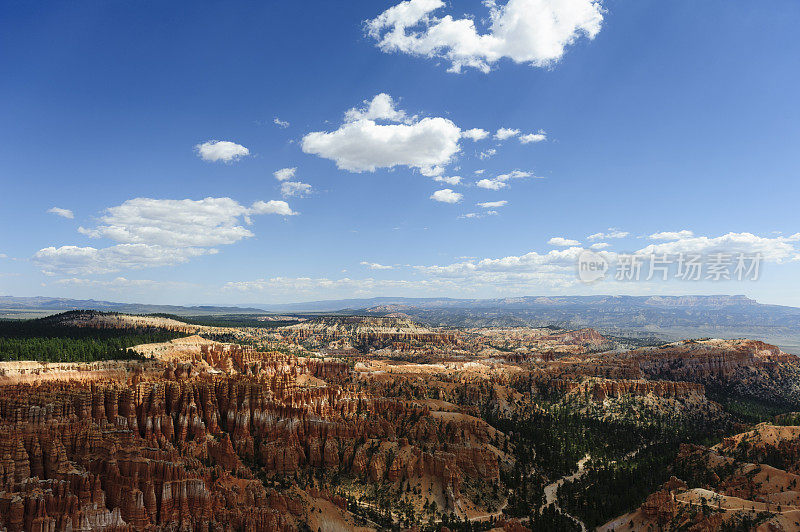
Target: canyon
353, 423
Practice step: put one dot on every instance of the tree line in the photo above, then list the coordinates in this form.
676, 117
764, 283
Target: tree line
46, 341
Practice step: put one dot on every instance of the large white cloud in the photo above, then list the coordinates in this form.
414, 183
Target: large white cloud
176, 223
534, 32
776, 249
221, 150
157, 232
555, 269
75, 260
362, 144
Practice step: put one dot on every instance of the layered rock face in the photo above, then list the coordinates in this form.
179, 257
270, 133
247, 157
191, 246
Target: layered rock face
587, 337
602, 389
109, 457
367, 332
709, 358
746, 367
188, 447
529, 343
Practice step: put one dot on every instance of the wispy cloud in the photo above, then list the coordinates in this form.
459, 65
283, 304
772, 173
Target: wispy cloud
563, 242
64, 213
376, 266
157, 232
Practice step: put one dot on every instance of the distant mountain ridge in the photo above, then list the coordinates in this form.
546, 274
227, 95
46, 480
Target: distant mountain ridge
512, 302
668, 317
57, 304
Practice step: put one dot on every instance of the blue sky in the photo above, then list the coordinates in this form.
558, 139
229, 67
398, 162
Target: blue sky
657, 117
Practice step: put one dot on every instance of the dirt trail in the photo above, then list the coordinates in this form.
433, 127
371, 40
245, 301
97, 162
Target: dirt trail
487, 517
551, 491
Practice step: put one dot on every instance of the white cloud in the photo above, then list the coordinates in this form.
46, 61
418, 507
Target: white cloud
116, 283
488, 154
506, 133
480, 172
75, 260
280, 123
295, 188
272, 207
157, 232
612, 233
347, 286
361, 144
554, 260
491, 184
451, 180
533, 137
493, 204
600, 245
555, 269
475, 134
285, 173
447, 195
672, 235
221, 150
376, 266
534, 32
563, 242
175, 223
473, 215
64, 213
381, 107
501, 181
432, 171
778, 249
